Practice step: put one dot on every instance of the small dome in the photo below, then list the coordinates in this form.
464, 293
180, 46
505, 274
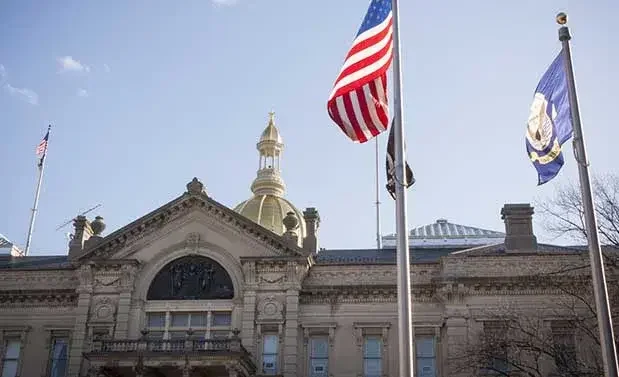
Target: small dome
270, 212
271, 133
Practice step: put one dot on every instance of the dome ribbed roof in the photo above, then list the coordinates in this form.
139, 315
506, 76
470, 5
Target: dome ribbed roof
270, 211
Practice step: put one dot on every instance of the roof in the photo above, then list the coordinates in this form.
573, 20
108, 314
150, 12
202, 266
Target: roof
5, 242
442, 232
39, 262
381, 256
424, 254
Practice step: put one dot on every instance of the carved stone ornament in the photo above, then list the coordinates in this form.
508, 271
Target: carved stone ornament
193, 240
191, 278
85, 275
127, 275
270, 308
104, 308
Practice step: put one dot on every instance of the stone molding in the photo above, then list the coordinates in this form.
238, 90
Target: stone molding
217, 216
38, 279
36, 298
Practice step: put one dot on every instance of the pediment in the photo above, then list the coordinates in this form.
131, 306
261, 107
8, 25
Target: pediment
191, 207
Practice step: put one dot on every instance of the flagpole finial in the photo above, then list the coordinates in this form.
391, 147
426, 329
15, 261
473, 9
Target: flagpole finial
561, 18
564, 31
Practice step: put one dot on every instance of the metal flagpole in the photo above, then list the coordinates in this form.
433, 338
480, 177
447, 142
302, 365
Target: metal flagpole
607, 339
378, 243
36, 196
405, 337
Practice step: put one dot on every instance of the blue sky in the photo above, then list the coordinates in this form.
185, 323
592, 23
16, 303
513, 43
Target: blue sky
157, 92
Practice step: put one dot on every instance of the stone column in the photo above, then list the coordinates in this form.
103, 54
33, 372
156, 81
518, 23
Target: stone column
456, 337
127, 278
291, 333
79, 335
248, 321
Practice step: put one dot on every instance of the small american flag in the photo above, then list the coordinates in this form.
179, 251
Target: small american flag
358, 103
42, 147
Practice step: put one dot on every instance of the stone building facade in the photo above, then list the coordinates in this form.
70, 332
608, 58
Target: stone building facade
197, 289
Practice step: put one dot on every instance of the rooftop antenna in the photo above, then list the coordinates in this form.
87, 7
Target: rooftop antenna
81, 214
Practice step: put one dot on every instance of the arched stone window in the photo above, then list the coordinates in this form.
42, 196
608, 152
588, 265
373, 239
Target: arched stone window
192, 277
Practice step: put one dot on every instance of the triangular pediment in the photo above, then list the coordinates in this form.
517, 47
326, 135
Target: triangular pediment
193, 204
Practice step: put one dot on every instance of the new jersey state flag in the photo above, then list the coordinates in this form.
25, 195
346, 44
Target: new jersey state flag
550, 122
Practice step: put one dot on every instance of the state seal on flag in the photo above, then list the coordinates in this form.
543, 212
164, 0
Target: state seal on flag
540, 131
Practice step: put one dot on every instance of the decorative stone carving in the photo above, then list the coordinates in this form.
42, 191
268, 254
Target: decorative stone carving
249, 272
273, 278
127, 275
192, 241
191, 278
85, 275
269, 308
104, 309
195, 187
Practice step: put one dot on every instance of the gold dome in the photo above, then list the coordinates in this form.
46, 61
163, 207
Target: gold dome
267, 206
270, 211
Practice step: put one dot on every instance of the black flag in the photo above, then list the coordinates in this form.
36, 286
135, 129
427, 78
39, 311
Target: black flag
390, 167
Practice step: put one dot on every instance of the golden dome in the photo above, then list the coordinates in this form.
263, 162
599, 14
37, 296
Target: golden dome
267, 206
270, 211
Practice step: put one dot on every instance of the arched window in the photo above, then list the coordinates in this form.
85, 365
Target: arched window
192, 277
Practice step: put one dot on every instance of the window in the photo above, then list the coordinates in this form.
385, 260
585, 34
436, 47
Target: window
174, 325
425, 355
270, 344
10, 359
58, 357
319, 356
372, 356
495, 342
564, 348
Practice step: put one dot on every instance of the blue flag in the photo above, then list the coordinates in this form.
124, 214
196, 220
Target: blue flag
550, 122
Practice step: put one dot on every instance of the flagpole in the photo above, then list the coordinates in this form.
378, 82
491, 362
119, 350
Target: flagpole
607, 339
378, 243
36, 197
405, 337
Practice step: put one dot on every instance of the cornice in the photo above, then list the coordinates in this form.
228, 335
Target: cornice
179, 207
45, 298
38, 279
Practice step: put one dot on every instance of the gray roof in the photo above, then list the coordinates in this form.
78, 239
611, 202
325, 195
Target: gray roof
444, 229
39, 262
422, 254
4, 242
444, 233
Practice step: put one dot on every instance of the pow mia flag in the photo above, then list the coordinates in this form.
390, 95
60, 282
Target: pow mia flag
390, 167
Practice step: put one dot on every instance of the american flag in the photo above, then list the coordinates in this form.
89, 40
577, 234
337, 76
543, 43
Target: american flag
358, 103
42, 147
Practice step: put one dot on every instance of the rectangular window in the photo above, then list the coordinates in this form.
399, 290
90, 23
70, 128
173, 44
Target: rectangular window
372, 356
319, 356
425, 355
496, 344
10, 359
59, 353
178, 324
221, 319
564, 348
270, 345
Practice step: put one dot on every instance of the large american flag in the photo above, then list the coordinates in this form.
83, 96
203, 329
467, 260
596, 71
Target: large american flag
358, 103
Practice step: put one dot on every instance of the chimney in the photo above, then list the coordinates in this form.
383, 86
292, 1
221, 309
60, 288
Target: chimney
312, 221
519, 235
82, 233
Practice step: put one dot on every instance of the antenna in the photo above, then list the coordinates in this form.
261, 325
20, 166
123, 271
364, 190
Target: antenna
81, 214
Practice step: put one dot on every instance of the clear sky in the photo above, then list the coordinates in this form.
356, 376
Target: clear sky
144, 95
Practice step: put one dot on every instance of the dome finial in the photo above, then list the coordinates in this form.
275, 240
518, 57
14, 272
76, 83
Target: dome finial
272, 117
